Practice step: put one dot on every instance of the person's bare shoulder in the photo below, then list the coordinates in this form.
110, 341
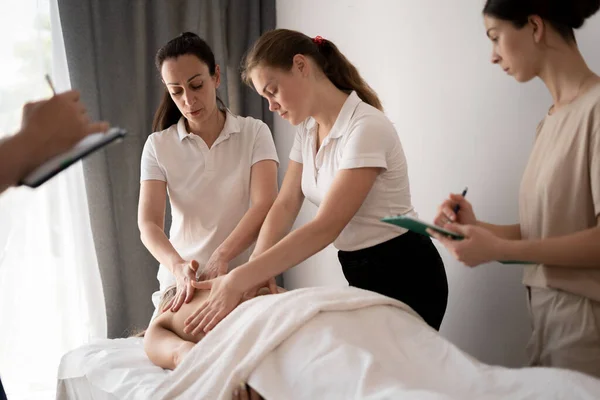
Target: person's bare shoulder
164, 320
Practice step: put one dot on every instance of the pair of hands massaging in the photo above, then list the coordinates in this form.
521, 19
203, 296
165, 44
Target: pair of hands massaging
478, 246
225, 293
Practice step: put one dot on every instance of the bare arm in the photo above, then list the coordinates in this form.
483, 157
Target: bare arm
151, 222
163, 346
577, 250
580, 250
346, 195
282, 215
509, 232
263, 191
18, 159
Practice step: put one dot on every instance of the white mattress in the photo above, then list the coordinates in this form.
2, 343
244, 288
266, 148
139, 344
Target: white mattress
343, 343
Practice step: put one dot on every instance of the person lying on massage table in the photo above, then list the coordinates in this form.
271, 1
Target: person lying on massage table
165, 342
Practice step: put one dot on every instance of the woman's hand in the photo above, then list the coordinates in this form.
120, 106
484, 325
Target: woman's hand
446, 214
478, 246
225, 296
185, 275
270, 284
216, 266
57, 124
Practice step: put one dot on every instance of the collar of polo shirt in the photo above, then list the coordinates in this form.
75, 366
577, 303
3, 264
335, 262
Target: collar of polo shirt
231, 126
343, 120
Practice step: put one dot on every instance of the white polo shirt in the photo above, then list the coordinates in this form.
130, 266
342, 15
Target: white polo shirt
361, 136
209, 189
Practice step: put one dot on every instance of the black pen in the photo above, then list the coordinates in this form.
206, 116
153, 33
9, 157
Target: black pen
50, 84
457, 207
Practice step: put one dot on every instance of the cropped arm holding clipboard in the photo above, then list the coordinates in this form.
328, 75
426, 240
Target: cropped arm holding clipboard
416, 225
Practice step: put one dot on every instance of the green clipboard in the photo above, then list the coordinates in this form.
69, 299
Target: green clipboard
420, 226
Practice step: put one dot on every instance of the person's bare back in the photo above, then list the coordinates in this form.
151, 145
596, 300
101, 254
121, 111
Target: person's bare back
175, 321
165, 341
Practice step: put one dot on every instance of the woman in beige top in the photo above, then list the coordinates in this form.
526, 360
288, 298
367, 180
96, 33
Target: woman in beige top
559, 201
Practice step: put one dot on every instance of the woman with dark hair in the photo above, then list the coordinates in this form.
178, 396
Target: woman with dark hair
348, 160
559, 200
219, 169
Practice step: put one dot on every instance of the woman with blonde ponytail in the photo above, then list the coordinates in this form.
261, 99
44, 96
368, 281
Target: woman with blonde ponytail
348, 160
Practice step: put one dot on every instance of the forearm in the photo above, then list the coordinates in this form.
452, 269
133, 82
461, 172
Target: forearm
157, 243
509, 232
290, 251
579, 250
245, 233
18, 158
278, 223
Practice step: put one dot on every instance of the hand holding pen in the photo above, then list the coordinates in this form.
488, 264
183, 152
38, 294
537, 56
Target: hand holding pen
455, 209
53, 126
457, 206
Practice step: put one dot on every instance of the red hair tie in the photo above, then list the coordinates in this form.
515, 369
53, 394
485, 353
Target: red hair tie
318, 40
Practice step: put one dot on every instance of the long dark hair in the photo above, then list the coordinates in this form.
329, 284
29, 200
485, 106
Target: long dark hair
278, 47
167, 113
563, 15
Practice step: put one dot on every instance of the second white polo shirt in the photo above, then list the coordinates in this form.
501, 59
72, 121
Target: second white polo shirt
361, 136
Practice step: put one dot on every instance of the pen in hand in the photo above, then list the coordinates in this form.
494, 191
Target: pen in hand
50, 84
457, 207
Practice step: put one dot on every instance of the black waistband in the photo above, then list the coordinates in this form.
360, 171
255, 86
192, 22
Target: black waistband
405, 240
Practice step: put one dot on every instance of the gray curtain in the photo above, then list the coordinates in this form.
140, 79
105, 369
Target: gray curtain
110, 49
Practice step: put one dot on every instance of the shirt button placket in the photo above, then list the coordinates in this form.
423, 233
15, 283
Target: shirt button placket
206, 154
209, 161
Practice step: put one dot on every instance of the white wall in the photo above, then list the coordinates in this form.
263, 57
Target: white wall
462, 122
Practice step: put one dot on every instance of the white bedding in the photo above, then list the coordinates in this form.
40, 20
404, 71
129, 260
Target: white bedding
333, 343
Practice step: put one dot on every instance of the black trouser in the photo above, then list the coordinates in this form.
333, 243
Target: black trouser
2, 394
407, 268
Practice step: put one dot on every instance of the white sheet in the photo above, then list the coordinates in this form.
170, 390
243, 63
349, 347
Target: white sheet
110, 369
320, 343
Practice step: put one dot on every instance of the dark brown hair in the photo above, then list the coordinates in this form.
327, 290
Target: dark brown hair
278, 47
167, 113
563, 15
